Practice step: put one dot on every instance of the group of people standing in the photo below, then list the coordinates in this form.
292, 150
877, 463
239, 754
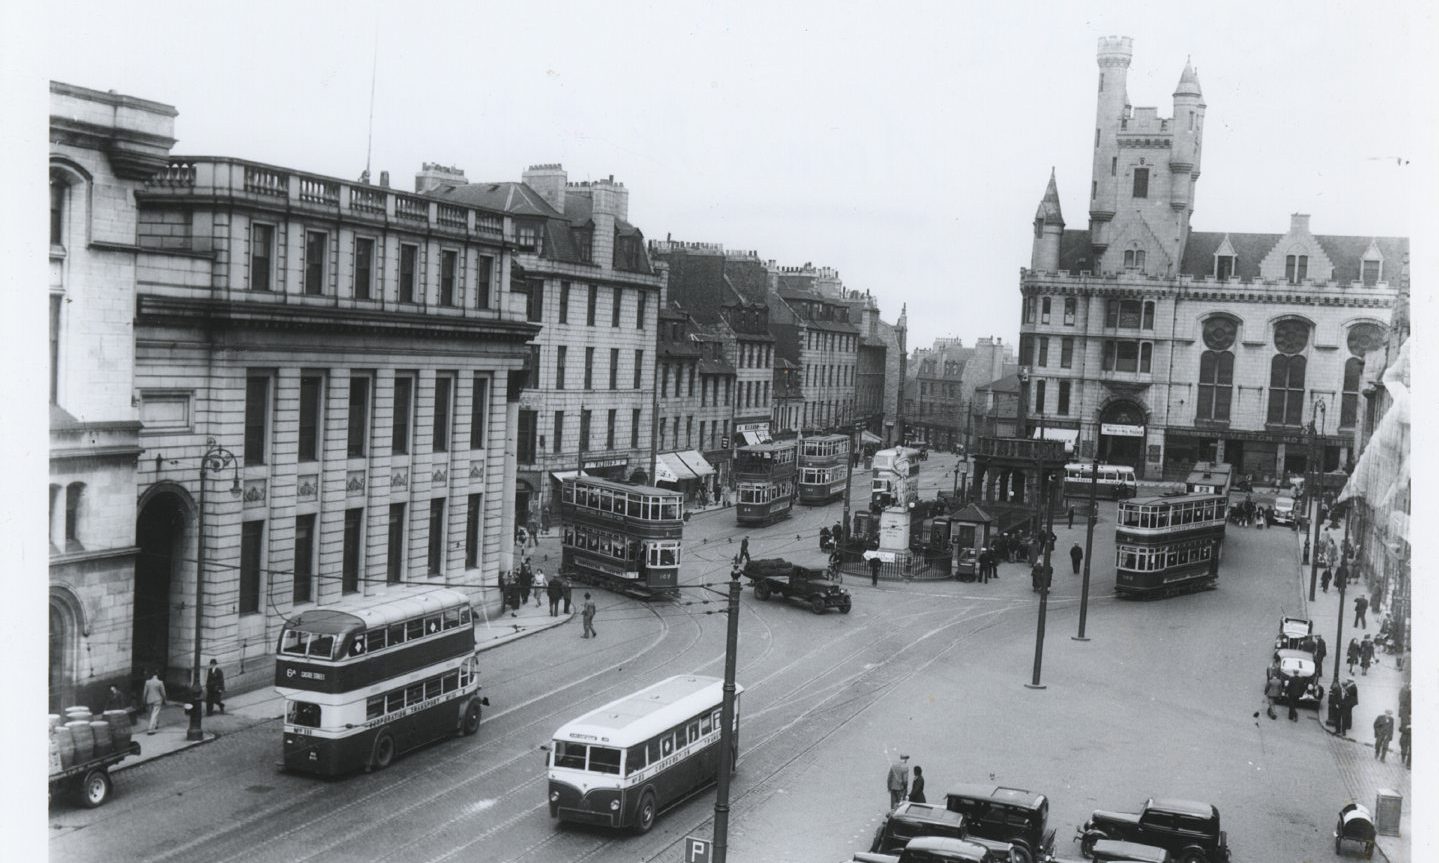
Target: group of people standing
899, 785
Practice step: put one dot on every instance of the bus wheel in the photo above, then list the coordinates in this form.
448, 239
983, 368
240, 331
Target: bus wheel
384, 751
472, 719
645, 814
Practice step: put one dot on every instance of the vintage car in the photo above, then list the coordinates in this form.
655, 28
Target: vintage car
1294, 634
1283, 511
809, 585
910, 820
934, 849
1355, 825
1188, 830
1115, 851
1011, 815
1289, 664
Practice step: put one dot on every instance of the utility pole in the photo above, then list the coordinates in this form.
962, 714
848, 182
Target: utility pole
726, 765
1044, 578
1089, 537
1316, 468
848, 478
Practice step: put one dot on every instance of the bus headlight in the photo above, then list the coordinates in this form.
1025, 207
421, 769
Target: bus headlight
614, 805
554, 796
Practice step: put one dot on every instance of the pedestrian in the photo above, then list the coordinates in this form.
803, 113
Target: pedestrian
837, 533
116, 699
587, 614
1404, 740
1071, 524
555, 591
744, 548
823, 538
1076, 556
522, 537
1366, 654
874, 565
565, 589
1361, 605
1325, 577
1273, 691
1347, 703
1383, 733
540, 585
982, 560
898, 780
1351, 654
1293, 691
154, 700
527, 580
1321, 650
916, 788
214, 689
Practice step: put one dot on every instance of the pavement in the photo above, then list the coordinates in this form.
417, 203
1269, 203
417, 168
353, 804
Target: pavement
1364, 775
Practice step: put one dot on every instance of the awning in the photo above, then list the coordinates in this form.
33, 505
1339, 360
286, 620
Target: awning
670, 468
1069, 436
869, 437
750, 438
562, 475
696, 462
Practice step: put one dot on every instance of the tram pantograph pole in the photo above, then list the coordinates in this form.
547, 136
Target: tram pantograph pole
727, 747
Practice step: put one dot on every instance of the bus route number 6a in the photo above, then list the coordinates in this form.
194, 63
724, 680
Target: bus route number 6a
697, 850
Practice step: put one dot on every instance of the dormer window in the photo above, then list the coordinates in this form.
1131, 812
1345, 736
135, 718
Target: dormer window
1134, 259
584, 244
1223, 267
1296, 268
1369, 272
527, 235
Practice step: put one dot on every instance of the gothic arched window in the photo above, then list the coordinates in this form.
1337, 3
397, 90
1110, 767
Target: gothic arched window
1286, 373
1216, 369
1363, 338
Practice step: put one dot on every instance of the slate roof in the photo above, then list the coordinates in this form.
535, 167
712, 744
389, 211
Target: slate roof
517, 199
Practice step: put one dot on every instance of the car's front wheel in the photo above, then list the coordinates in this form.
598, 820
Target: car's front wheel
1020, 854
1086, 842
1192, 855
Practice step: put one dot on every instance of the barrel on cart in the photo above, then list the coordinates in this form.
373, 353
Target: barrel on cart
84, 768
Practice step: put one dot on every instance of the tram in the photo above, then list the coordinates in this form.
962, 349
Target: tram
1169, 544
823, 468
765, 474
620, 536
1116, 481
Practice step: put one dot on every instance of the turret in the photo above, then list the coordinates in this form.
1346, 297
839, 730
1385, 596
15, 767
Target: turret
1188, 134
1115, 54
1048, 229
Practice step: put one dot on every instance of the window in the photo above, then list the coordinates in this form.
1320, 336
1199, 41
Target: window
614, 368
359, 417
564, 302
535, 300
1027, 310
479, 404
1043, 351
74, 496
449, 263
1125, 314
525, 438
304, 568
527, 235
589, 368
561, 354
691, 390
664, 380
532, 381
1369, 271
1127, 356
635, 428
404, 405
1096, 138
617, 296
257, 409
689, 432
262, 255
584, 245
350, 558
1113, 166
1146, 356
1141, 182
664, 425
252, 534
610, 430
57, 211
640, 313
472, 531
315, 262
56, 303
364, 267
394, 560
1223, 267
1286, 390
1039, 397
1063, 408
1070, 305
1066, 352
1349, 406
1148, 316
436, 559
310, 391
639, 366
1134, 259
1216, 386
590, 305
444, 394
1296, 268
483, 275
1044, 310
558, 438
409, 255
585, 429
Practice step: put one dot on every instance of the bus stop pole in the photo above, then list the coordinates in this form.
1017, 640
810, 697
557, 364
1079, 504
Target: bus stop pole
1089, 540
726, 759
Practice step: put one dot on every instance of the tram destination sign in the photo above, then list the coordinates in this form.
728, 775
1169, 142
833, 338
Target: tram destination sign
1118, 430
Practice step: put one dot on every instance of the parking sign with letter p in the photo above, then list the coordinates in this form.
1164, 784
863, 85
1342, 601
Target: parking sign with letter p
697, 850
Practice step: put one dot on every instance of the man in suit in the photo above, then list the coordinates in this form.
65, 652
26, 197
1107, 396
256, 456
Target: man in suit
898, 781
214, 689
1076, 556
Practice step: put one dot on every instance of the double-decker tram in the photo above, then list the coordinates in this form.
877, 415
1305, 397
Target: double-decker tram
823, 467
620, 536
765, 476
624, 763
1166, 545
1116, 481
366, 679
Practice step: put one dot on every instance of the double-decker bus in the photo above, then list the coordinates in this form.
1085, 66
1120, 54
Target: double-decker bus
823, 467
620, 536
366, 679
1116, 481
894, 476
621, 765
765, 475
1165, 545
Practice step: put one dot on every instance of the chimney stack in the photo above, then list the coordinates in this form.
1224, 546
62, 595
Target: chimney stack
549, 181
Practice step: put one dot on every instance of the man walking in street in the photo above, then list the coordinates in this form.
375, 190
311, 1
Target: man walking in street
154, 699
1383, 733
565, 589
1324, 578
1321, 650
1076, 556
874, 565
214, 689
898, 781
1361, 605
1404, 741
1071, 517
1366, 654
1293, 691
588, 615
555, 592
1348, 701
744, 549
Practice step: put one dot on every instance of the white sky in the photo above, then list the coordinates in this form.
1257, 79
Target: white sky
906, 149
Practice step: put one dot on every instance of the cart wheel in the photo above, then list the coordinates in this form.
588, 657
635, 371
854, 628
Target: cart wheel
94, 789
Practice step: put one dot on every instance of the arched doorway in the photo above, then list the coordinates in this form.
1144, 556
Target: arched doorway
63, 628
1121, 438
160, 534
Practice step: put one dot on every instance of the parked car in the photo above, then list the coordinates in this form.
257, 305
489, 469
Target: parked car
1283, 511
1289, 664
773, 576
1115, 851
1011, 815
911, 820
1188, 830
933, 849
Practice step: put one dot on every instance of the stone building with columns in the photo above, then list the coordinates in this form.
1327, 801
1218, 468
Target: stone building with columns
1164, 346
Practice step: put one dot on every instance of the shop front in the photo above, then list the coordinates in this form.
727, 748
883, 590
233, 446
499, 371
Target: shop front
1122, 432
686, 471
751, 433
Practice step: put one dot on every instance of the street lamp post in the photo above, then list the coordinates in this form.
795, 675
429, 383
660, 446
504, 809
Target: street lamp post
1316, 473
216, 458
1089, 535
1045, 575
848, 479
726, 765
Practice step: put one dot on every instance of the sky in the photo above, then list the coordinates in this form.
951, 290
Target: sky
905, 145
